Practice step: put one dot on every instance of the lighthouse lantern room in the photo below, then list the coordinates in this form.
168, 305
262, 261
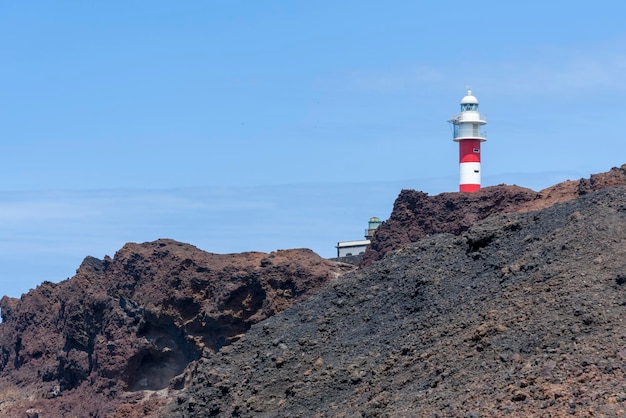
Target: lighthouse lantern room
467, 131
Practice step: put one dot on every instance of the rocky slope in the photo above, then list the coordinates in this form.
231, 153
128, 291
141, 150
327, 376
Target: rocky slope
124, 328
505, 302
521, 315
416, 214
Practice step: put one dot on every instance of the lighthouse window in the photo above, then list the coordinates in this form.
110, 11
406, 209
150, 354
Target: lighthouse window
476, 150
473, 107
476, 171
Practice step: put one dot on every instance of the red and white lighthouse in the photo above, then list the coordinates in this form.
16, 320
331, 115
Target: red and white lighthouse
467, 132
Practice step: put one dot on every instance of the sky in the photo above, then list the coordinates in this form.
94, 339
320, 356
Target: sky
256, 126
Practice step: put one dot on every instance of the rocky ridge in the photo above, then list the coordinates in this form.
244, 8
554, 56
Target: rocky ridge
416, 215
521, 315
467, 312
124, 328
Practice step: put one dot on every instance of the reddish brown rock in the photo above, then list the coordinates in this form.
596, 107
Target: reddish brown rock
129, 324
518, 315
571, 189
416, 215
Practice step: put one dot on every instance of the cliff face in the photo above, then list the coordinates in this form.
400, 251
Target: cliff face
416, 215
520, 315
131, 324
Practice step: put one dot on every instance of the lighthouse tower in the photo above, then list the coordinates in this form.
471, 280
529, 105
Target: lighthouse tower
467, 132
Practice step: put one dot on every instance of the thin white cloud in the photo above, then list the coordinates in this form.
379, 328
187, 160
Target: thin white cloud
562, 76
78, 206
553, 72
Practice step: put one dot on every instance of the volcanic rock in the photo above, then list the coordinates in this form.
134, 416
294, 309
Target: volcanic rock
505, 302
125, 327
520, 315
416, 215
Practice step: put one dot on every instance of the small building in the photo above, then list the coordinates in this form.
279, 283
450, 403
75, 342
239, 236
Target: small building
358, 247
350, 248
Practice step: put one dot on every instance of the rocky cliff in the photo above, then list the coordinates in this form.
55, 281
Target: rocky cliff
125, 327
506, 302
416, 214
521, 315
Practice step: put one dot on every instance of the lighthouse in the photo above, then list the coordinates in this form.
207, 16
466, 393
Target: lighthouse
467, 132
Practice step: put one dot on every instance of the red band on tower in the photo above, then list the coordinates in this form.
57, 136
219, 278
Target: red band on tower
469, 151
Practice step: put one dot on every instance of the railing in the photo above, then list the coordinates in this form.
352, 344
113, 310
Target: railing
469, 117
469, 133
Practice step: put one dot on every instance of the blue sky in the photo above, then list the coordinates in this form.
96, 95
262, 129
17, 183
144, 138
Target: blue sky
240, 126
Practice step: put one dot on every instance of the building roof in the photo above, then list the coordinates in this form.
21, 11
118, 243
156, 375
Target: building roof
357, 243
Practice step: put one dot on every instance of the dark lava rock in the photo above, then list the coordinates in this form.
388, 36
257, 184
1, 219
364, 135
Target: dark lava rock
127, 326
416, 215
520, 315
504, 302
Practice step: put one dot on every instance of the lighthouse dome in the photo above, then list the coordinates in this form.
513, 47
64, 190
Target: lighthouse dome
469, 99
